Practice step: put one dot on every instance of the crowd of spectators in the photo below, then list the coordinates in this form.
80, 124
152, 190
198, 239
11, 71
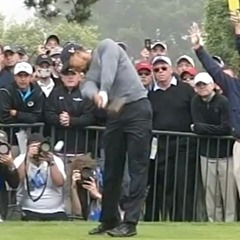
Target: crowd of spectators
191, 177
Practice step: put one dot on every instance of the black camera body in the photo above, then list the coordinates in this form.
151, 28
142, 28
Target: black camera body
86, 174
5, 148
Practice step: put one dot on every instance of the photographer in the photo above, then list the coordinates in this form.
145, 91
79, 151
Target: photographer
85, 188
8, 173
42, 177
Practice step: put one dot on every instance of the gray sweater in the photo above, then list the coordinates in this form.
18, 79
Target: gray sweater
111, 71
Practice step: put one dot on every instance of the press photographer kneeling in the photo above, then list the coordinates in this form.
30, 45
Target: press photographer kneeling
86, 188
8, 173
42, 176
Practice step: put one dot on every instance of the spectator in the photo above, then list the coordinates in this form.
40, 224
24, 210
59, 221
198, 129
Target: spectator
86, 193
158, 48
23, 57
8, 173
230, 86
42, 176
66, 110
22, 101
44, 71
184, 63
170, 101
56, 62
69, 114
188, 75
144, 70
210, 113
11, 57
6, 77
52, 42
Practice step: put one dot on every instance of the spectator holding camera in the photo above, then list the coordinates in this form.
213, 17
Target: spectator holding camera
8, 173
86, 188
42, 176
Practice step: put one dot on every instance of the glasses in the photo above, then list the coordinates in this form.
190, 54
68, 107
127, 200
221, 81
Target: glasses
160, 68
188, 79
144, 73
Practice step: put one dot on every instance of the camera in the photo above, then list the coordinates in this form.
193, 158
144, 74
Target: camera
44, 148
87, 174
4, 148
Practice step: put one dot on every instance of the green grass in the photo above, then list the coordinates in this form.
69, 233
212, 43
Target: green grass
78, 231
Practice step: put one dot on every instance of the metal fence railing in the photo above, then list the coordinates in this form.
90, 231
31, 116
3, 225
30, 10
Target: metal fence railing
190, 177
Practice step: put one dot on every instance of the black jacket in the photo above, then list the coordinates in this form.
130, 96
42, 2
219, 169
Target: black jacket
212, 119
12, 179
28, 111
6, 78
80, 112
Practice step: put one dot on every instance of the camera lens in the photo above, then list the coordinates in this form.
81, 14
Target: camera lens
45, 147
4, 149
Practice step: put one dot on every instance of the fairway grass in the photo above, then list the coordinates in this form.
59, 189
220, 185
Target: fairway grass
78, 231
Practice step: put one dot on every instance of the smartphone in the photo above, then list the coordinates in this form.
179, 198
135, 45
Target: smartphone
147, 44
234, 5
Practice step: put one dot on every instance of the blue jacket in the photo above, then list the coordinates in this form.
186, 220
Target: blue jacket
229, 85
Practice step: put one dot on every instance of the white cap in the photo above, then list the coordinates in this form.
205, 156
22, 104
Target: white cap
163, 59
203, 77
187, 58
23, 67
164, 45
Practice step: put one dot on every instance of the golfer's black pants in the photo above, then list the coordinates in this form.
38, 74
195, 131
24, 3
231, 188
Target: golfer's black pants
129, 132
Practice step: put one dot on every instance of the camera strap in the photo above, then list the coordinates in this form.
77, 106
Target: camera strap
28, 187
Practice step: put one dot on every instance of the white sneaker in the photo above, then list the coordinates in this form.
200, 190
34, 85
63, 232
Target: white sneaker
1, 219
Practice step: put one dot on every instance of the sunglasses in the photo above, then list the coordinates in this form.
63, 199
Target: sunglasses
160, 68
144, 73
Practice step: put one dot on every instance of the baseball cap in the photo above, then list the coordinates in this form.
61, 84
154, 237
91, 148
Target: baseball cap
53, 36
186, 58
10, 49
66, 53
159, 43
162, 59
56, 51
143, 65
35, 137
21, 50
3, 137
191, 71
218, 60
43, 58
23, 67
203, 77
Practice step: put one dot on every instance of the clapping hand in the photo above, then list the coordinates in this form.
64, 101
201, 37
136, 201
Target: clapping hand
64, 119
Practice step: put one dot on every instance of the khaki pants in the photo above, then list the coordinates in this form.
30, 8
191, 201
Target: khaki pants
236, 164
220, 189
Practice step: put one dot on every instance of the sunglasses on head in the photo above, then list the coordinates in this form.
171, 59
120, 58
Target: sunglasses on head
160, 68
144, 73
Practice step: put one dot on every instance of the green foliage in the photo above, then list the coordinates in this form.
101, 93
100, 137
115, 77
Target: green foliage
134, 20
220, 37
32, 33
74, 10
81, 11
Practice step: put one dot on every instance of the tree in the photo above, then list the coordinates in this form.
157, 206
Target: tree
74, 10
134, 20
220, 37
34, 32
